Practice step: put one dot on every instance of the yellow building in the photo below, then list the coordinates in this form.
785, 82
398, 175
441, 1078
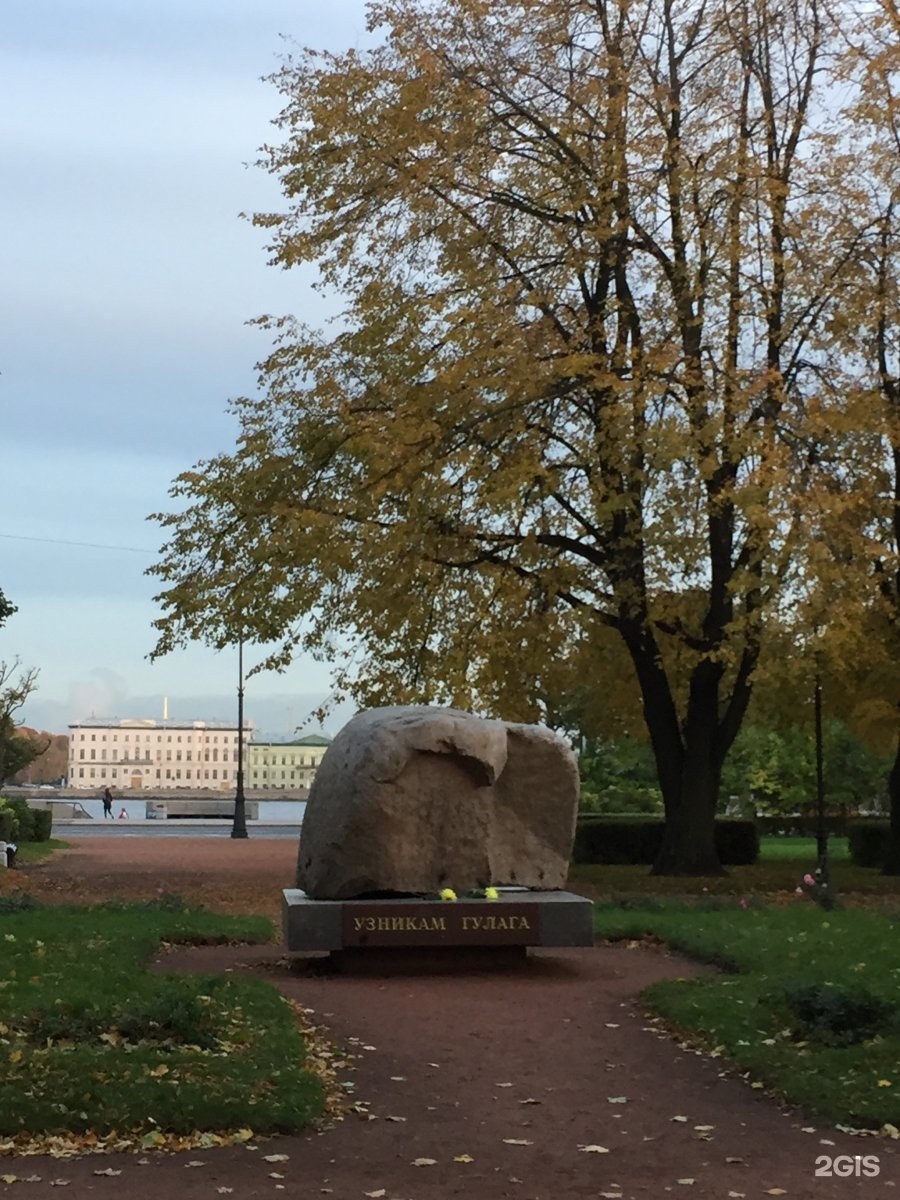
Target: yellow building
282, 765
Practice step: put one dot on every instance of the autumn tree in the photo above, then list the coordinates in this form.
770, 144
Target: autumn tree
867, 327
579, 375
16, 685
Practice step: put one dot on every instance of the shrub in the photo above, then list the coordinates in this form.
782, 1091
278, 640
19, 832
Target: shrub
19, 822
868, 842
43, 824
838, 1016
636, 840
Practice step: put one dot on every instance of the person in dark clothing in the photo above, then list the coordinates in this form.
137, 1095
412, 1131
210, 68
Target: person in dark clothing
107, 803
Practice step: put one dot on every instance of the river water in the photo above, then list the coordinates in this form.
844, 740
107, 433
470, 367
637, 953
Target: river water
277, 818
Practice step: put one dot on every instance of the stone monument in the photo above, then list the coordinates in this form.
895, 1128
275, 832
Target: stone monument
410, 802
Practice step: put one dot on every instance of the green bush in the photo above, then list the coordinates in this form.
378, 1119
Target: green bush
838, 1016
636, 840
868, 842
19, 822
43, 824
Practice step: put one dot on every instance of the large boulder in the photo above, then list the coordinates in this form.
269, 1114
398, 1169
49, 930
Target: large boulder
412, 800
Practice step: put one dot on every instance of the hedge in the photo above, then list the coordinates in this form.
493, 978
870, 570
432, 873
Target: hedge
868, 842
801, 826
19, 822
636, 840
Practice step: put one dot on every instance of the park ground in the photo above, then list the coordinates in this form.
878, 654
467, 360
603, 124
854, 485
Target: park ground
549, 1081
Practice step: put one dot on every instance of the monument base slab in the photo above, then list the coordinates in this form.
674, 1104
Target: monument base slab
518, 918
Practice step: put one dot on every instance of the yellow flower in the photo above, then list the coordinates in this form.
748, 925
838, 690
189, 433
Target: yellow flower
491, 894
884, 1083
448, 894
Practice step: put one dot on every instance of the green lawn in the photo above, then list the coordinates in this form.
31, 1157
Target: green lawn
797, 849
807, 1003
91, 1041
29, 852
781, 866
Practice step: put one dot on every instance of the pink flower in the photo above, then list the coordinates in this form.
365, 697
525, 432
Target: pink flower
743, 904
808, 879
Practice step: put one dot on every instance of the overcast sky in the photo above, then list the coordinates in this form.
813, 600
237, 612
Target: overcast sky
127, 278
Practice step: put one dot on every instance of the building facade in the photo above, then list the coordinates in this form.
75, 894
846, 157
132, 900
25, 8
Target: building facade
134, 754
273, 766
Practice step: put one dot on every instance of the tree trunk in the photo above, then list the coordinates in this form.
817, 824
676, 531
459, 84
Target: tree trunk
688, 760
689, 842
892, 859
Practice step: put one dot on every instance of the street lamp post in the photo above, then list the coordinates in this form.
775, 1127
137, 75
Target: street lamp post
239, 825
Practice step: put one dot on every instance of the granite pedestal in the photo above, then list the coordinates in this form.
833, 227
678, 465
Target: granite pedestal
517, 919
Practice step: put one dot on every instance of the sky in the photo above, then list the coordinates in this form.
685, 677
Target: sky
128, 136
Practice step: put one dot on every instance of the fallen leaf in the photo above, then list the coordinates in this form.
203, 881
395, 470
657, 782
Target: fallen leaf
60, 1182
395, 1118
686, 1182
735, 1159
195, 1162
593, 1149
617, 1100
224, 1191
108, 1171
159, 1071
611, 1195
463, 1158
370, 1047
885, 1083
8, 1178
434, 1064
611, 1025
276, 1175
704, 1128
529, 1100
736, 1195
678, 1118
376, 1195
276, 1157
517, 1142
502, 1085
398, 1079
424, 1162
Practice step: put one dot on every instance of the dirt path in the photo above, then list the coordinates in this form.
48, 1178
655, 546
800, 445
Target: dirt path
513, 1070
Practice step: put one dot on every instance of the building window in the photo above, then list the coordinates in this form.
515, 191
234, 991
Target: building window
93, 754
81, 772
93, 773
81, 754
